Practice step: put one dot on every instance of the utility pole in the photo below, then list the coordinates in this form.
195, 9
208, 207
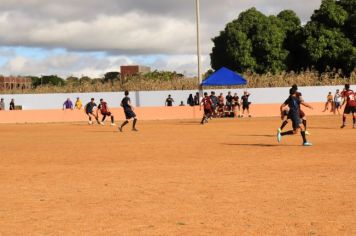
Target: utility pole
198, 42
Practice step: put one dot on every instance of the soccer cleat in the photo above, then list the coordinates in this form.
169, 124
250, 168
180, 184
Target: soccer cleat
102, 123
134, 129
90, 122
112, 124
279, 136
343, 126
120, 129
307, 132
307, 144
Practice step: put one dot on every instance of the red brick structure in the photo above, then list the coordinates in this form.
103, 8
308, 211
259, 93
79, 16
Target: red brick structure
12, 83
127, 71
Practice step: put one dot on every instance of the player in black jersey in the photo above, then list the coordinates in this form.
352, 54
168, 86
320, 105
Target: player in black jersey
129, 113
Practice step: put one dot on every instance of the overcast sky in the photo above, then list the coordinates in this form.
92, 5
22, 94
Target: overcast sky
91, 37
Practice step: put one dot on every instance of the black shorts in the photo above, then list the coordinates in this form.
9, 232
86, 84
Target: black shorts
246, 106
90, 113
207, 112
129, 114
296, 121
349, 109
337, 105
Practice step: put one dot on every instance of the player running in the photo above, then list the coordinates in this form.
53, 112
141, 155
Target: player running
89, 110
293, 102
350, 100
207, 104
129, 113
302, 114
104, 110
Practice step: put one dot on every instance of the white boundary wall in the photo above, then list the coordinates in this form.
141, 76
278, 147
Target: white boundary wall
157, 98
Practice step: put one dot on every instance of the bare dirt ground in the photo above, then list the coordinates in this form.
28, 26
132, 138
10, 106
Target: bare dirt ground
229, 177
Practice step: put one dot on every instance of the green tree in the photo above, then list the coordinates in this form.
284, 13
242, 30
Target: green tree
111, 76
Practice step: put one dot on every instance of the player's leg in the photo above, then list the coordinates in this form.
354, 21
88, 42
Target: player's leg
134, 124
123, 124
346, 112
89, 117
112, 120
354, 118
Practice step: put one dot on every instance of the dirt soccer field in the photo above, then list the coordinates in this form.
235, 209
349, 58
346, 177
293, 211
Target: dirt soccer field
229, 177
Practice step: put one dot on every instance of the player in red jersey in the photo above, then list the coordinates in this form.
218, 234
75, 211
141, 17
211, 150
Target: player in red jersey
207, 104
350, 100
104, 110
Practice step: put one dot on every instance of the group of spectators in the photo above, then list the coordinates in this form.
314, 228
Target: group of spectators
68, 104
335, 102
222, 106
11, 105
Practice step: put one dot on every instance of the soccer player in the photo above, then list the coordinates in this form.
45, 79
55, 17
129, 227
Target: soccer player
293, 102
337, 101
129, 113
329, 100
350, 100
104, 110
207, 104
89, 110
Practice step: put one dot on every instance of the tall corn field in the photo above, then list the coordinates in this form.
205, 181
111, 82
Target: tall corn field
141, 83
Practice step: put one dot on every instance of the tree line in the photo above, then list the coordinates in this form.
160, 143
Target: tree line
258, 43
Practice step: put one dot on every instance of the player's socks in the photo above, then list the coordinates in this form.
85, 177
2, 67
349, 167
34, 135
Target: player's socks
290, 132
284, 124
303, 136
112, 120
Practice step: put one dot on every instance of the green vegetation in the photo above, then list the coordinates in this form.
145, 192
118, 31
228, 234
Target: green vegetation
272, 44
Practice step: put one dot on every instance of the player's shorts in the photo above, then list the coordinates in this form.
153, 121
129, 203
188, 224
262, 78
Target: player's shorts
337, 105
207, 111
89, 112
246, 106
349, 109
129, 114
106, 113
301, 114
296, 121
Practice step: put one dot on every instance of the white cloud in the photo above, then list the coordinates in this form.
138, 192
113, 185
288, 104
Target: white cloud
119, 28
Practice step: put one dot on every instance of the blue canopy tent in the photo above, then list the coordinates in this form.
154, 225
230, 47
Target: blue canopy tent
224, 77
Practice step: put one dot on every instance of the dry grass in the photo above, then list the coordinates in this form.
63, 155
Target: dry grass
307, 78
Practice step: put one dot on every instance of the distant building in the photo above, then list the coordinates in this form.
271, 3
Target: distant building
127, 71
11, 83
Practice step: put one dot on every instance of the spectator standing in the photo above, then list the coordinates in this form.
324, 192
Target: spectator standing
228, 99
337, 101
215, 102
221, 105
68, 104
197, 99
245, 104
2, 105
236, 105
12, 104
190, 100
169, 101
78, 104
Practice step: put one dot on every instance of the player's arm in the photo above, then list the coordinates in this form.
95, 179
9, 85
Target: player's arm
306, 105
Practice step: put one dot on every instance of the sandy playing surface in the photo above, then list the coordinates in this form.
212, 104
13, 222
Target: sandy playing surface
229, 177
